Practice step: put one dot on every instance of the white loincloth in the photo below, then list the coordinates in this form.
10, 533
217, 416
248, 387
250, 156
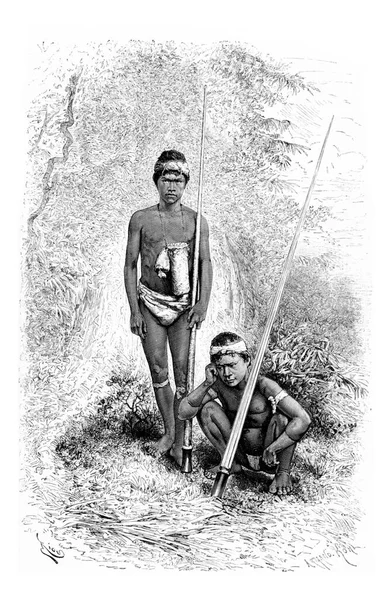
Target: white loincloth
165, 308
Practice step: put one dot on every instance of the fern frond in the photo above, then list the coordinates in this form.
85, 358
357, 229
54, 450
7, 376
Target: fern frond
275, 125
275, 146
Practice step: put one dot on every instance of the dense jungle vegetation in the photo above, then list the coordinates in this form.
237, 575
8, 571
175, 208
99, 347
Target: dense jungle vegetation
99, 119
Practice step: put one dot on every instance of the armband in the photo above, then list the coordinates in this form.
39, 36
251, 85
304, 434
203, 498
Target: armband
275, 400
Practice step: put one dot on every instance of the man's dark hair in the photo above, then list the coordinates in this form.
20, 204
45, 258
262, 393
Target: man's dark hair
225, 338
167, 156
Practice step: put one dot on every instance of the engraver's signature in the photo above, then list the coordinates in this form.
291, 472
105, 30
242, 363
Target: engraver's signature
322, 560
48, 550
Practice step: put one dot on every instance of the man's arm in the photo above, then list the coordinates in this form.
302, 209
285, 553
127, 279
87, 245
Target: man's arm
197, 314
299, 419
138, 325
191, 404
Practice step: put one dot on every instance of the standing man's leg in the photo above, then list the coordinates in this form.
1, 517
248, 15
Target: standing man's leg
179, 337
155, 349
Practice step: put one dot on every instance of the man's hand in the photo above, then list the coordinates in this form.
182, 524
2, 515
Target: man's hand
196, 315
269, 457
211, 374
138, 325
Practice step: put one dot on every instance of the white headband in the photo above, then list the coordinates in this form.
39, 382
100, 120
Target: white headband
234, 347
174, 165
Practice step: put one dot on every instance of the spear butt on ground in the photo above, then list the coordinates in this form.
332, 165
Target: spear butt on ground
232, 445
186, 466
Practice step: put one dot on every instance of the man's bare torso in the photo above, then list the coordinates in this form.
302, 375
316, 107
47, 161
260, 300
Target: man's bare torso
259, 412
158, 228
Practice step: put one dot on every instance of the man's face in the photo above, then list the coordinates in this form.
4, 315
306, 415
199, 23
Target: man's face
232, 369
171, 187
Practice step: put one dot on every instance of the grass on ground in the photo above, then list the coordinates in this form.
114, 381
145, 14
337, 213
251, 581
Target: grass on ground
106, 498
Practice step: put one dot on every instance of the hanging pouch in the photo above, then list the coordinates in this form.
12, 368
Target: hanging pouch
178, 254
162, 265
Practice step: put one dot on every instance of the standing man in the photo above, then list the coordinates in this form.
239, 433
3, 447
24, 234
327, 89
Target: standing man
163, 235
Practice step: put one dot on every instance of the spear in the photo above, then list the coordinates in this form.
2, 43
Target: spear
232, 445
186, 466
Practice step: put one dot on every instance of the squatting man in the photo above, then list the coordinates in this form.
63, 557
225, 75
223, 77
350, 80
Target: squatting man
275, 421
163, 235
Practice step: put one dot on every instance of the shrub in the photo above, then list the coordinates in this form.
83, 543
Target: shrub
323, 382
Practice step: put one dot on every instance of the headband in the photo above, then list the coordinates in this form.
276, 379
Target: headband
172, 165
234, 347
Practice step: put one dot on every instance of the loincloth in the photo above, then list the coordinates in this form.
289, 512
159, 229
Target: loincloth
166, 309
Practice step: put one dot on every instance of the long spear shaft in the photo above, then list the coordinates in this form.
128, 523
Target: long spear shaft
186, 466
232, 445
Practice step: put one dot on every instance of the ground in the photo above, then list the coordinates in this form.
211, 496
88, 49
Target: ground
104, 497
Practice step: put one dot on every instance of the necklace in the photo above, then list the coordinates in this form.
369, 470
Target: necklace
163, 224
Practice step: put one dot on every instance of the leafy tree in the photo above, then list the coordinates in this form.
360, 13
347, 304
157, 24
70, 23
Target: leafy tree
130, 102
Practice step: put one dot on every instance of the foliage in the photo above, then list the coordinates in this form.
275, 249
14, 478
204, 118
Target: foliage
129, 411
88, 468
125, 507
58, 294
121, 505
246, 84
125, 110
317, 298
133, 392
323, 382
132, 101
315, 342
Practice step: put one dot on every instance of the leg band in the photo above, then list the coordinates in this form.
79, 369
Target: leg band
160, 385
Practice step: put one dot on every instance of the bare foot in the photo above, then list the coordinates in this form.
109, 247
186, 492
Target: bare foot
164, 444
235, 469
281, 484
176, 453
